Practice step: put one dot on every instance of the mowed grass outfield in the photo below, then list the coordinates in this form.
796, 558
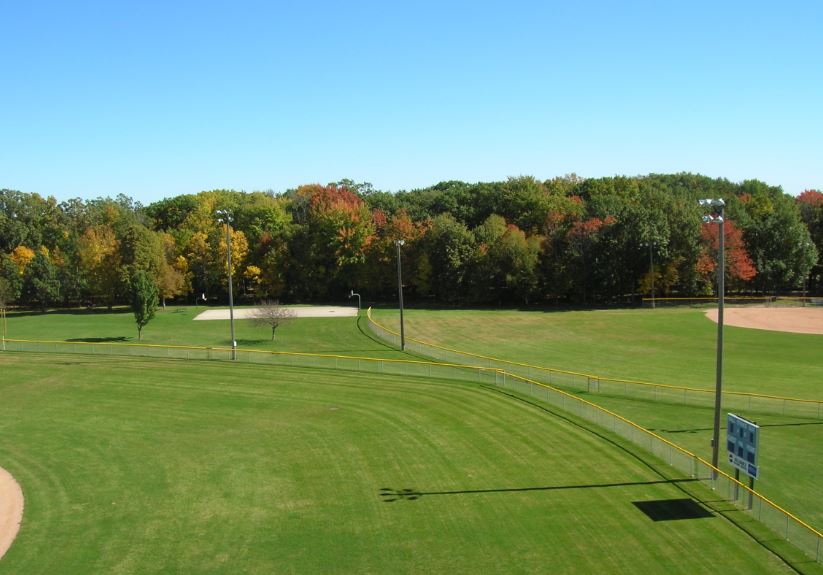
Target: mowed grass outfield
675, 346
136, 465
671, 346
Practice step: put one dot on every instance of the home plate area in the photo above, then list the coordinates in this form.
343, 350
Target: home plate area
299, 311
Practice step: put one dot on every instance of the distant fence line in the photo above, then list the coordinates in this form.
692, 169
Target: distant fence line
596, 384
746, 501
768, 300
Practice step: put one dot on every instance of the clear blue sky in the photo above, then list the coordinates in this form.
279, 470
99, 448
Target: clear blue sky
156, 99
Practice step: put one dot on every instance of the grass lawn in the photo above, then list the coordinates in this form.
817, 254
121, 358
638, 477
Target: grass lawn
675, 346
175, 326
132, 465
791, 449
620, 343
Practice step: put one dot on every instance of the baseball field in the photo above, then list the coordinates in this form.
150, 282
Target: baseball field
138, 465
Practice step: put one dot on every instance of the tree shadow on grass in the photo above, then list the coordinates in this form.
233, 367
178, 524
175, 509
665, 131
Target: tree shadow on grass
98, 339
68, 311
247, 342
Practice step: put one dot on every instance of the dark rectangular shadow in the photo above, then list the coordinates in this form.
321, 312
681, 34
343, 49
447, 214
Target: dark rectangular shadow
672, 509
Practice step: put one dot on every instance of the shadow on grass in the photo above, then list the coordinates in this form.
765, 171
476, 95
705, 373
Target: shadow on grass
792, 556
699, 429
390, 495
68, 311
672, 509
98, 339
249, 342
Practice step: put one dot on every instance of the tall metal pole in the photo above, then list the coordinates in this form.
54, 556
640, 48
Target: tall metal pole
721, 291
231, 295
227, 219
399, 243
651, 265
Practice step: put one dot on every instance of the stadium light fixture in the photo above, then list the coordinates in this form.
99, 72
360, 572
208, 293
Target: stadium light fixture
717, 216
399, 243
223, 216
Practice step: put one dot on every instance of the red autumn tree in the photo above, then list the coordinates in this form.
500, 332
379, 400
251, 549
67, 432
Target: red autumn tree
739, 266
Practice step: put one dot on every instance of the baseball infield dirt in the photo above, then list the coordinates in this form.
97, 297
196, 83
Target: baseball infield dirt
11, 510
793, 319
299, 311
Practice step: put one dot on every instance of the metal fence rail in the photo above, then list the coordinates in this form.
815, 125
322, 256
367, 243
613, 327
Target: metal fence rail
595, 384
742, 499
788, 526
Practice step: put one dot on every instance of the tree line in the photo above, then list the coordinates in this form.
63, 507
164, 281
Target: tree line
519, 241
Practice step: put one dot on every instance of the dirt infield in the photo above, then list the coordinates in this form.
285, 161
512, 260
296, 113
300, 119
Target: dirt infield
11, 510
791, 319
299, 311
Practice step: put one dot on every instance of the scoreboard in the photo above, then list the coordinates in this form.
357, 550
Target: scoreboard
742, 443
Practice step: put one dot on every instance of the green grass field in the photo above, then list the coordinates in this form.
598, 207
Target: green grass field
133, 465
675, 346
174, 326
791, 455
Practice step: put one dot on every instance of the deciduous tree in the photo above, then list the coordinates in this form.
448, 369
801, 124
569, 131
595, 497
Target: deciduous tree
144, 295
271, 314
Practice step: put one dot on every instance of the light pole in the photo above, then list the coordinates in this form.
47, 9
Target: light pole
717, 216
651, 266
225, 217
3, 313
351, 295
399, 243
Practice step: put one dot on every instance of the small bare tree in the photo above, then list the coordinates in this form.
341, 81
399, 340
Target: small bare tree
271, 314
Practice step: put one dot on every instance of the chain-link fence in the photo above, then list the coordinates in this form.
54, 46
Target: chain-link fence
594, 384
740, 497
289, 359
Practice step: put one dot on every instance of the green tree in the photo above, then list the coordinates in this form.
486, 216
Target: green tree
144, 295
41, 285
775, 236
11, 282
810, 203
451, 249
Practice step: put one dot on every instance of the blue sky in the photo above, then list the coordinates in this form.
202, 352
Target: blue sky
156, 99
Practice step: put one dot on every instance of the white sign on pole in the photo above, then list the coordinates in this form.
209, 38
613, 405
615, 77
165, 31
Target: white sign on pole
742, 443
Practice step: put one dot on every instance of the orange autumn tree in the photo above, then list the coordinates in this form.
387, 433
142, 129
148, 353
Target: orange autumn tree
328, 251
346, 220
739, 266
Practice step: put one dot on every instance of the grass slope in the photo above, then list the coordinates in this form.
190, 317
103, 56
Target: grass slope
671, 346
144, 466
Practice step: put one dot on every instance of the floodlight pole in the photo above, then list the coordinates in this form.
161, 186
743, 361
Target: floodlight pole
719, 206
3, 313
651, 264
399, 243
225, 217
